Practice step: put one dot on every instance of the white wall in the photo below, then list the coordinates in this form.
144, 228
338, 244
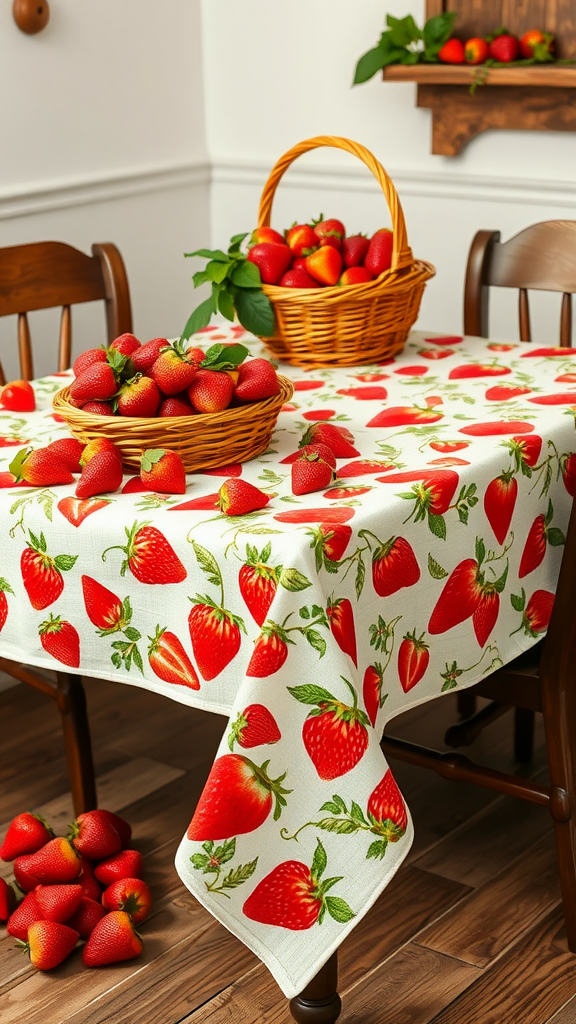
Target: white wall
278, 73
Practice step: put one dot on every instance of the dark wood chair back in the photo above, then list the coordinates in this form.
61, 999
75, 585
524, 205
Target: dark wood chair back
42, 275
541, 257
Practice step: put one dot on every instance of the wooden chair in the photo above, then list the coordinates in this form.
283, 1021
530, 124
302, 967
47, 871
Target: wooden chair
40, 276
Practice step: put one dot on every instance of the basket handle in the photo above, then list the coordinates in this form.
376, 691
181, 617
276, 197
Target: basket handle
401, 252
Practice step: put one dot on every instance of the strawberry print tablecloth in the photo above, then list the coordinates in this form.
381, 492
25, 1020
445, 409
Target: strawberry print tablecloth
430, 561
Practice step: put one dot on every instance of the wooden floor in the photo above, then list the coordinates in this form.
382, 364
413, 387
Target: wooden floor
469, 932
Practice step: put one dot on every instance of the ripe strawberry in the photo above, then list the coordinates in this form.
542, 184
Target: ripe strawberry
387, 808
90, 888
18, 396
302, 240
88, 358
145, 356
535, 546
436, 353
211, 391
7, 900
258, 583
486, 614
169, 661
49, 943
505, 392
329, 542
459, 598
93, 836
405, 415
339, 439
475, 51
113, 939
126, 344
215, 636
237, 798
294, 896
379, 255
535, 43
394, 566
69, 450
271, 259
253, 727
568, 468
341, 619
86, 917
495, 428
452, 52
122, 827
256, 380
335, 735
76, 510
24, 877
499, 503
504, 47
310, 472
265, 234
536, 617
40, 468
97, 381
372, 691
471, 370
41, 574
106, 611
26, 834
237, 497
125, 864
433, 493
298, 278
355, 275
139, 396
163, 471
413, 658
99, 444
55, 862
58, 902
329, 232
354, 249
176, 406
325, 265
149, 556
25, 914
174, 371
270, 651
131, 895
61, 640
101, 475
314, 414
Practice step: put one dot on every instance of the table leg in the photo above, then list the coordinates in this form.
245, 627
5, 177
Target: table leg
71, 701
319, 1003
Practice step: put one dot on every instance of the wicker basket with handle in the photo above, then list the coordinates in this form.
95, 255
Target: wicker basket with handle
353, 324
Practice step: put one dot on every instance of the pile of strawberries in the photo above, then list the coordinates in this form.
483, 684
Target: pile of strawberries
319, 255
57, 898
314, 464
502, 46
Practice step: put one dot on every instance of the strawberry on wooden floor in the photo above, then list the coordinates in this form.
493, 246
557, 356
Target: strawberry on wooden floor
26, 833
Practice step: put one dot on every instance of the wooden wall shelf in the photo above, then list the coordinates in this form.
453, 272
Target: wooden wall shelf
528, 97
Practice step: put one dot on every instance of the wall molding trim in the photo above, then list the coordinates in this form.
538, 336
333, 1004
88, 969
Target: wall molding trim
41, 197
409, 182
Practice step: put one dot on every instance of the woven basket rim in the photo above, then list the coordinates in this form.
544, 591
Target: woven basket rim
390, 280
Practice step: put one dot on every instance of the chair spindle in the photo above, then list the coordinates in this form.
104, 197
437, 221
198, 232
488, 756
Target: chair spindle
25, 348
524, 311
566, 321
65, 349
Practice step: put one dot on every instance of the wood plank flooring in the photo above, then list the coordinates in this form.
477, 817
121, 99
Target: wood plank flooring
470, 931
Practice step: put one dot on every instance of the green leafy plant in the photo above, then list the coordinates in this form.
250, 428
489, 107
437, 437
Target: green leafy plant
236, 290
404, 43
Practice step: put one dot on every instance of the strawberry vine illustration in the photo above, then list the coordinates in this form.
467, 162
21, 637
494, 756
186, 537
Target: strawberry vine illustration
452, 672
45, 498
212, 862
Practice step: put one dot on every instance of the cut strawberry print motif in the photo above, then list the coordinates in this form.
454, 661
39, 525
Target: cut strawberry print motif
41, 574
501, 348
470, 370
149, 556
505, 392
207, 502
405, 415
535, 353
560, 398
568, 469
536, 614
9, 480
449, 461
368, 378
76, 510
566, 378
434, 400
334, 734
9, 442
445, 339
214, 631
339, 439
496, 427
539, 534
413, 659
60, 639
341, 619
436, 353
319, 414
499, 503
294, 896
254, 727
169, 661
234, 469
463, 591
394, 564
135, 486
448, 447
237, 798
412, 371
432, 496
344, 493
315, 515
363, 468
372, 691
329, 541
365, 394
5, 588
307, 385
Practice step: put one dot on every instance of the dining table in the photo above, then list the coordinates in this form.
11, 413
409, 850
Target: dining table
430, 560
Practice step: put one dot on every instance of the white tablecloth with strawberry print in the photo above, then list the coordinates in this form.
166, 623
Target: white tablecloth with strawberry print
430, 561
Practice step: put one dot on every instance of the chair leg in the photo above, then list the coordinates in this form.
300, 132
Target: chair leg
71, 701
523, 735
466, 704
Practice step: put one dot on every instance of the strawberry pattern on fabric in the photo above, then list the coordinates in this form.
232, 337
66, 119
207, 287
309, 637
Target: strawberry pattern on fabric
425, 557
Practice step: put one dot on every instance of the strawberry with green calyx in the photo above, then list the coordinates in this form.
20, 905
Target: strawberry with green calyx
334, 734
503, 46
49, 943
25, 914
18, 396
256, 380
58, 902
89, 913
302, 240
271, 647
295, 896
60, 639
537, 45
339, 439
329, 232
173, 370
131, 895
7, 900
237, 798
329, 541
41, 574
149, 556
99, 444
265, 234
214, 631
99, 381
500, 502
138, 396
379, 255
311, 472
413, 660
254, 727
163, 471
143, 359
94, 836
126, 344
125, 864
169, 661
106, 611
211, 391
236, 288
58, 861
394, 564
40, 468
258, 581
325, 265
113, 940
539, 534
101, 475
476, 51
271, 259
26, 834
432, 495
88, 358
237, 497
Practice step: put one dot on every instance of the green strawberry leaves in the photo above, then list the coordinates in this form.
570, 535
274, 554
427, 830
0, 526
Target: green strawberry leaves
224, 357
211, 862
404, 43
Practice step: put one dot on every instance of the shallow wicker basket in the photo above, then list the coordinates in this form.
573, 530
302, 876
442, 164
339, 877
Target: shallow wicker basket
203, 441
355, 324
